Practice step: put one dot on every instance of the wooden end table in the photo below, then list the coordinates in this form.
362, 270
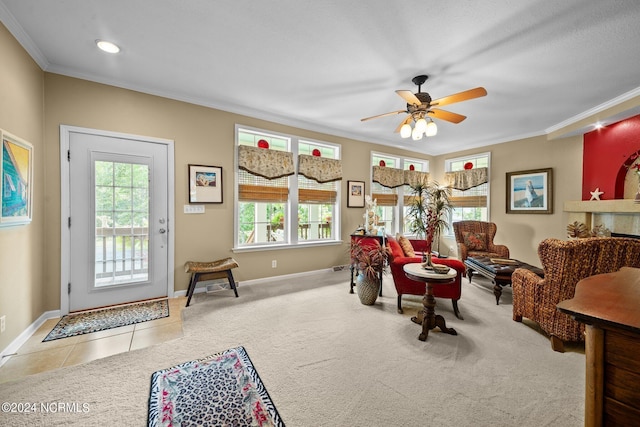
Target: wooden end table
497, 270
427, 317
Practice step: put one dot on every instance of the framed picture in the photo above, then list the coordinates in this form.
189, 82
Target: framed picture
205, 184
530, 191
355, 194
16, 170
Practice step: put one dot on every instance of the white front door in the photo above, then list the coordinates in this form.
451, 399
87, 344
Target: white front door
119, 219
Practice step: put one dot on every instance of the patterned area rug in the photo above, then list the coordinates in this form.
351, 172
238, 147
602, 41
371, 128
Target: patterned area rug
108, 318
220, 390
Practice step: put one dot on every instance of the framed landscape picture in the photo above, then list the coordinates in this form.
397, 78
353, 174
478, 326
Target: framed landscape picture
530, 191
205, 184
355, 194
16, 171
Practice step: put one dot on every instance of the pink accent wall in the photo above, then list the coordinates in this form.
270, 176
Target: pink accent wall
606, 151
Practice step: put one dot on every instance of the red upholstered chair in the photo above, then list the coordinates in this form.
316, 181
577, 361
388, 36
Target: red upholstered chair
406, 286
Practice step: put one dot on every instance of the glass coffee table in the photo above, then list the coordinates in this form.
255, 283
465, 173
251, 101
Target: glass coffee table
498, 270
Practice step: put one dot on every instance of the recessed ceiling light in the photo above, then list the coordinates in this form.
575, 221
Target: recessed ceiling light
107, 46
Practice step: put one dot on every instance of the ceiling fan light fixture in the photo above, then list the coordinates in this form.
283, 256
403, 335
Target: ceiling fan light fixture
405, 130
421, 124
432, 128
416, 135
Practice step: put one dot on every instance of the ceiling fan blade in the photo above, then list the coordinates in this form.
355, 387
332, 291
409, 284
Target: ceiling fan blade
446, 115
408, 96
459, 97
383, 115
402, 123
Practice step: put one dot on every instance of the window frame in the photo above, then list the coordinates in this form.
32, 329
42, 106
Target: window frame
292, 203
398, 223
447, 167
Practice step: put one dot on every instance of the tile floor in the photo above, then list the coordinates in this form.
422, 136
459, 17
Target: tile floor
36, 356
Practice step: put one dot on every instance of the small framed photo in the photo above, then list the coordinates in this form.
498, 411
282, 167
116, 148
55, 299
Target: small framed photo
205, 184
16, 170
530, 191
355, 194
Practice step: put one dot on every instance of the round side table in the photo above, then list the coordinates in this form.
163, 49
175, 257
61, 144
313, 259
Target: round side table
427, 317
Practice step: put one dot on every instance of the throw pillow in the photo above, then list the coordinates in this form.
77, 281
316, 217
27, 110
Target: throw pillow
475, 241
394, 247
405, 244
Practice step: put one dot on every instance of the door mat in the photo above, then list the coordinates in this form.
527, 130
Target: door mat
108, 318
221, 390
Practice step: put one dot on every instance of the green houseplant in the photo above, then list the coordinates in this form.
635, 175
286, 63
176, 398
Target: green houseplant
369, 258
428, 211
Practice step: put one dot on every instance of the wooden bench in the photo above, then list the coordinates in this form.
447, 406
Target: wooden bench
201, 271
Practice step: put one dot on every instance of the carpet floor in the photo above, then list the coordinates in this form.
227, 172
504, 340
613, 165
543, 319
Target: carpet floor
328, 360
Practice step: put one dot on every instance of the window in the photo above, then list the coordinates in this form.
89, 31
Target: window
391, 201
288, 210
471, 204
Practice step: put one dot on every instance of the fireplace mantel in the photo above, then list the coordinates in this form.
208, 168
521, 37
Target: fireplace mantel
619, 206
620, 215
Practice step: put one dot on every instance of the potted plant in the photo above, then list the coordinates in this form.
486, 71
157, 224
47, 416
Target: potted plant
369, 258
427, 213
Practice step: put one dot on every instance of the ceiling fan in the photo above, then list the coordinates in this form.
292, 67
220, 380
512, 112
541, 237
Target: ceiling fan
420, 106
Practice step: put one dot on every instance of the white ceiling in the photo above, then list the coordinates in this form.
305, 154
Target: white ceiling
324, 65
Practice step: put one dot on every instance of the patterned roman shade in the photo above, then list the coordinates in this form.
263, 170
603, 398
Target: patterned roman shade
389, 177
466, 179
319, 168
266, 163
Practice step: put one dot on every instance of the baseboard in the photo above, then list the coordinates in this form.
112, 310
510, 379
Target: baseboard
286, 276
13, 347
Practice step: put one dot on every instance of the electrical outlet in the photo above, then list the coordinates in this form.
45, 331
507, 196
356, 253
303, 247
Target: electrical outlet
274, 263
3, 323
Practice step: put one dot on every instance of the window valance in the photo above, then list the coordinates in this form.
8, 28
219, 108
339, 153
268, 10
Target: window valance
466, 179
416, 177
392, 177
319, 168
266, 163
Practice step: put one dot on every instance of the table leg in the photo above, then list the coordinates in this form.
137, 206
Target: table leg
428, 318
351, 284
497, 291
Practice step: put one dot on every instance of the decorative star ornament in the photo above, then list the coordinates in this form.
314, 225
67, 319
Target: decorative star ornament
595, 195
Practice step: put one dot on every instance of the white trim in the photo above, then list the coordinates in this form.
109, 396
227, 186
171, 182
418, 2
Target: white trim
265, 280
65, 244
21, 339
22, 37
595, 110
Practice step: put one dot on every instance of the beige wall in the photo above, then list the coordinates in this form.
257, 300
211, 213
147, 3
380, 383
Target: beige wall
34, 104
202, 136
21, 247
523, 232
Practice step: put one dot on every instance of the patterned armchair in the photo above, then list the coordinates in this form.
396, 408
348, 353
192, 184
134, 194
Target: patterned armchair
475, 238
565, 263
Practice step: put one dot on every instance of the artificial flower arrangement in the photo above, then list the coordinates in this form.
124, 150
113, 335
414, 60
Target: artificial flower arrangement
369, 257
428, 212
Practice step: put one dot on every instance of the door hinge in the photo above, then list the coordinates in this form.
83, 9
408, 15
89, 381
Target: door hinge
69, 288
69, 222
68, 155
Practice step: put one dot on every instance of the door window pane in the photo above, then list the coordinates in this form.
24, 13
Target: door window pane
121, 223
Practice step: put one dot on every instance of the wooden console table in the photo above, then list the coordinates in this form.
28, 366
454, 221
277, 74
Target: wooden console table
608, 305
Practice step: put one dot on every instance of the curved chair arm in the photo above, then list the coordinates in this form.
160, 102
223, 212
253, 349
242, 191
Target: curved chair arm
503, 250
